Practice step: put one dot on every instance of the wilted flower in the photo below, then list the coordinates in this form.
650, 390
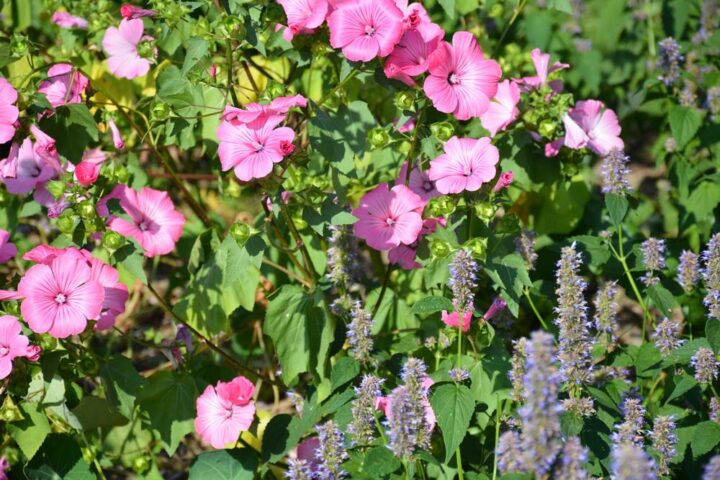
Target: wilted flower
664, 441
614, 173
525, 245
705, 364
362, 426
667, 336
331, 452
688, 270
653, 259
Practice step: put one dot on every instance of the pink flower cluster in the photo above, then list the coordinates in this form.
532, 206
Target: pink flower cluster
64, 85
251, 140
224, 411
8, 111
121, 44
66, 289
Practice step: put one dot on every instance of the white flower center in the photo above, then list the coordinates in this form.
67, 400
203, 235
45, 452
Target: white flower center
4, 350
453, 79
390, 221
60, 298
369, 30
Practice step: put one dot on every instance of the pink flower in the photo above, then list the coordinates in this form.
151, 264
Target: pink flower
23, 169
304, 16
6, 295
95, 156
224, 411
389, 217
45, 149
461, 81
86, 173
121, 43
7, 249
118, 141
64, 85
419, 183
466, 164
451, 320
116, 293
592, 125
542, 67
253, 152
13, 343
8, 112
503, 109
404, 255
60, 297
33, 353
384, 404
409, 58
154, 223
255, 115
416, 18
365, 29
504, 181
65, 20
133, 12
496, 307
43, 254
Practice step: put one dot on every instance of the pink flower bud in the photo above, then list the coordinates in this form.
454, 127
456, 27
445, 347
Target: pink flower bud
33, 353
286, 148
117, 138
213, 70
86, 173
504, 181
497, 306
132, 12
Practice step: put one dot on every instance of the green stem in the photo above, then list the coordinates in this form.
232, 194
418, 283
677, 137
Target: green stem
383, 289
309, 267
498, 412
337, 87
620, 256
534, 308
516, 13
413, 145
231, 88
469, 222
461, 474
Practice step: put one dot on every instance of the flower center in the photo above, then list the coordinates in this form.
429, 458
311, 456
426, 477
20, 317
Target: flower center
453, 79
60, 298
144, 226
369, 30
427, 186
259, 147
229, 412
389, 221
414, 19
4, 350
467, 171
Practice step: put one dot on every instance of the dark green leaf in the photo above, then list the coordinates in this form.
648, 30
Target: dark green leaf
73, 128
705, 436
617, 206
344, 371
453, 405
95, 412
510, 275
685, 384
132, 259
60, 458
684, 124
712, 333
30, 432
239, 464
380, 462
121, 381
661, 298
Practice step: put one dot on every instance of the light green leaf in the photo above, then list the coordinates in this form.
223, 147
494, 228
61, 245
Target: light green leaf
617, 206
30, 432
684, 124
239, 464
705, 436
431, 305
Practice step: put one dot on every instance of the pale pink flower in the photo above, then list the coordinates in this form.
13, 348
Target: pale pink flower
451, 320
95, 156
154, 223
60, 297
543, 69
23, 169
419, 183
8, 112
66, 20
43, 254
64, 85
256, 115
503, 108
117, 139
409, 58
404, 255
408, 126
504, 181
13, 343
45, 149
461, 80
592, 125
225, 410
7, 249
384, 404
120, 43
253, 152
304, 16
389, 217
133, 12
416, 18
365, 29
6, 295
466, 164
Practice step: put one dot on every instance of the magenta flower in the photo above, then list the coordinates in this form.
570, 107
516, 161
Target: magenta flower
466, 164
255, 115
13, 343
304, 16
543, 69
116, 293
461, 80
154, 223
65, 20
132, 12
86, 173
117, 139
8, 112
60, 297
592, 125
503, 110
121, 43
497, 306
389, 217
253, 152
452, 319
416, 18
224, 411
365, 29
64, 85
504, 181
45, 149
409, 58
419, 183
23, 169
7, 249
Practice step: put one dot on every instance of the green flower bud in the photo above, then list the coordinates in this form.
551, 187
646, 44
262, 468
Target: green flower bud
275, 89
443, 131
404, 147
201, 27
547, 128
141, 464
320, 49
478, 247
440, 206
569, 169
48, 343
160, 110
66, 224
146, 49
378, 137
299, 221
9, 412
89, 453
86, 209
88, 365
112, 240
496, 11
485, 210
232, 26
12, 455
439, 248
19, 46
404, 100
240, 232
122, 174
233, 189
56, 188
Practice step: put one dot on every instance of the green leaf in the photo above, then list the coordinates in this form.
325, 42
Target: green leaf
561, 6
453, 405
95, 412
60, 458
563, 205
132, 260
226, 280
380, 462
685, 384
712, 333
661, 298
121, 382
300, 330
276, 439
571, 424
431, 305
617, 206
705, 436
238, 464
73, 128
195, 49
30, 432
510, 275
169, 400
648, 361
449, 7
344, 371
684, 124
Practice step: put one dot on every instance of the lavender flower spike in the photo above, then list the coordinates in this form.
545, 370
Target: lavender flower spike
711, 276
688, 270
705, 364
669, 59
614, 173
606, 308
331, 451
653, 257
664, 442
631, 430
362, 426
630, 462
667, 336
359, 334
463, 276
572, 459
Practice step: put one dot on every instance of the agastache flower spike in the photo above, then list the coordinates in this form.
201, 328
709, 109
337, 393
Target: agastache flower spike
630, 431
509, 454
525, 245
664, 441
614, 173
688, 270
331, 453
362, 426
711, 276
712, 469
359, 334
517, 371
653, 258
572, 459
669, 59
463, 271
705, 364
575, 344
667, 336
298, 469
630, 462
606, 308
